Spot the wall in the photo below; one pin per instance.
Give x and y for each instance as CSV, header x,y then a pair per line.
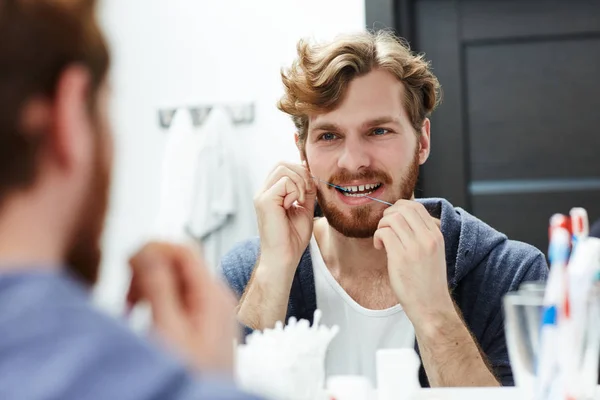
x,y
175,52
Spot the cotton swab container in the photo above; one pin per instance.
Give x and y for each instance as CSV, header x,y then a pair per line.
x,y
285,363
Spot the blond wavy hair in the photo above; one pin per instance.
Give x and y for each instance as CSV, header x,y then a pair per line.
x,y
317,79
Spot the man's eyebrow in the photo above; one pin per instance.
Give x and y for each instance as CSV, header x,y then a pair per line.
x,y
326,126
381,121
330,126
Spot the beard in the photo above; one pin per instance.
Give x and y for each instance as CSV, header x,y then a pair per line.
x,y
84,253
363,220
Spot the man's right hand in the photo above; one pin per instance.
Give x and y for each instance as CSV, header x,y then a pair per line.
x,y
285,210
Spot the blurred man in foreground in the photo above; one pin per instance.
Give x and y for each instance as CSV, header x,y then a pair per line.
x,y
55,158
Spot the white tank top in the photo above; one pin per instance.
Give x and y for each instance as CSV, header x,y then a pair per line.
x,y
362,331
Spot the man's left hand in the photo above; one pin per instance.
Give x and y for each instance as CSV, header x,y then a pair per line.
x,y
416,260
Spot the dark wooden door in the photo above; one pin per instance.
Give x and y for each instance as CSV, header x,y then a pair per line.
x,y
517,136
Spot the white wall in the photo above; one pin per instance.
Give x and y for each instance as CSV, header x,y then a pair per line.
x,y
171,52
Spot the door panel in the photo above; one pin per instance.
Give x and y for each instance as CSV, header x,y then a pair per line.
x,y
532,109
516,137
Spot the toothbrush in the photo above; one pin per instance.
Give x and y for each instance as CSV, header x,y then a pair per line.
x,y
346,190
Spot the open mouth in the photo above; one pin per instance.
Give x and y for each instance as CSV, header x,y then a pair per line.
x,y
359,190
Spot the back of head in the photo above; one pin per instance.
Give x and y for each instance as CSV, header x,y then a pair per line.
x,y
52,75
317,79
38,40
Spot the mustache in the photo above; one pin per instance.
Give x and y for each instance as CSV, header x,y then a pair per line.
x,y
344,176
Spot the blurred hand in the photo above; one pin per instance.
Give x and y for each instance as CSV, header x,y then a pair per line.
x,y
191,311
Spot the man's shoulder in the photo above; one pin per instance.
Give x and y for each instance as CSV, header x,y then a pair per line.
x,y
239,262
518,261
57,344
496,264
242,255
83,353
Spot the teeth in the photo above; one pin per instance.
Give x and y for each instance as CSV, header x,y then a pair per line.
x,y
361,188
356,194
372,186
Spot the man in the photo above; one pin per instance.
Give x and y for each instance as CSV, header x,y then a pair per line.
x,y
386,275
55,156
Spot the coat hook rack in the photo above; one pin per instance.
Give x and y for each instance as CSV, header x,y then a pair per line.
x,y
240,114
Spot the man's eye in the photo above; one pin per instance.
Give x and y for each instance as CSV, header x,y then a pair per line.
x,y
380,131
328,136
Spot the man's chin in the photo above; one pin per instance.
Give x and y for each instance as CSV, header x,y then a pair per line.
x,y
358,222
355,232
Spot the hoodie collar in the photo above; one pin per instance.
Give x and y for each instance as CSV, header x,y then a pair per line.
x,y
462,232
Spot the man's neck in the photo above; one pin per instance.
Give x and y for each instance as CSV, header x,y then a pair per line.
x,y
30,235
358,267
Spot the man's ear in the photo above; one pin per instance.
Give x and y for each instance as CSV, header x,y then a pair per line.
x,y
299,146
72,130
424,141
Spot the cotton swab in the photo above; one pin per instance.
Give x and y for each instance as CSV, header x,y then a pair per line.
x,y
358,194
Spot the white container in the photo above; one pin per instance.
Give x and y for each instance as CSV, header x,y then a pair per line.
x,y
397,374
349,387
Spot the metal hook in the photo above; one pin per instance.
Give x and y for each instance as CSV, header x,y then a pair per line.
x,y
241,114
199,114
165,117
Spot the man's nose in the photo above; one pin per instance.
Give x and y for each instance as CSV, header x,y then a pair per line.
x,y
354,155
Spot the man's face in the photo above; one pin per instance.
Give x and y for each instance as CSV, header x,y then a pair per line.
x,y
368,145
84,253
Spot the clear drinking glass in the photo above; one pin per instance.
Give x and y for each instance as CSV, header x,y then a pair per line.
x,y
522,319
523,311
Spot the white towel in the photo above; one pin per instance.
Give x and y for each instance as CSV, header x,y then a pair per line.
x,y
183,144
222,211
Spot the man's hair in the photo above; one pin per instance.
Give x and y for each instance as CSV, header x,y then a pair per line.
x,y
38,40
318,78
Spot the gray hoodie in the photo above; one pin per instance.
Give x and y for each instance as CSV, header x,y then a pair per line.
x,y
482,264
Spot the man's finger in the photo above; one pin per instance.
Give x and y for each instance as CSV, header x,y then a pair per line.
x,y
433,224
397,223
285,192
284,171
386,238
303,171
156,283
416,222
192,278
